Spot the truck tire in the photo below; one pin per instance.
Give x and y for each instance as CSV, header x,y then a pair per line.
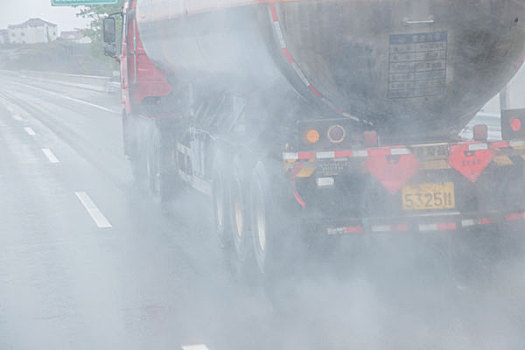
x,y
137,150
221,205
242,260
162,179
274,240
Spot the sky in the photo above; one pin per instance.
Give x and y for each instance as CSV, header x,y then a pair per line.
x,y
18,11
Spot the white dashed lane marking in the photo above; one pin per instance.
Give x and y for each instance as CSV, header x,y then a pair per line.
x,y
30,131
92,210
195,347
50,156
17,117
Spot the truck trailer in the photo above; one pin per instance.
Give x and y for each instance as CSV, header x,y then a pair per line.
x,y
308,119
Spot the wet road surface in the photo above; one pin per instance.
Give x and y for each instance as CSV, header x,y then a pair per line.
x,y
90,261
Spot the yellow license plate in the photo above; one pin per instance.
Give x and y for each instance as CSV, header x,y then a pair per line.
x,y
429,196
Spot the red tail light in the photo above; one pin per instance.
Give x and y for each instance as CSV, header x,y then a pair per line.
x,y
481,132
515,124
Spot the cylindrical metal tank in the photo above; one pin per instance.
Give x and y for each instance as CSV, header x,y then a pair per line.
x,y
405,66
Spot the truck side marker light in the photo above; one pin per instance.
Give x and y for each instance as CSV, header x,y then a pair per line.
x,y
515,124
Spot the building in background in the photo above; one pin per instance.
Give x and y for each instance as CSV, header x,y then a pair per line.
x,y
32,31
75,36
4,37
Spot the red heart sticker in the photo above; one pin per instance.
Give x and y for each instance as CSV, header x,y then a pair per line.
x,y
393,171
469,163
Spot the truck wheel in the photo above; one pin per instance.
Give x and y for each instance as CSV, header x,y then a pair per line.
x,y
241,241
138,163
162,179
271,232
221,208
259,219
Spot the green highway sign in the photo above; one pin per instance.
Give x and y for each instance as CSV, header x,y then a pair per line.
x,y
82,2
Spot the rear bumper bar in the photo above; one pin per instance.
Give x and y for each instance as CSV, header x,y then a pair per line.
x,y
416,223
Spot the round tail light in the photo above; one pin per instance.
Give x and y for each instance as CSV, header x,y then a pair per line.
x,y
336,134
312,136
515,124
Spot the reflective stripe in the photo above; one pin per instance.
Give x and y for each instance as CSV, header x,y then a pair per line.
x,y
306,155
382,228
477,146
325,155
279,34
282,42
300,74
437,227
290,156
514,217
343,154
515,144
427,227
468,223
399,151
363,153
446,226
344,230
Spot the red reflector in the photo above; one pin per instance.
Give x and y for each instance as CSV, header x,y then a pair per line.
x,y
354,229
306,155
449,226
515,124
487,221
481,132
514,217
402,227
370,138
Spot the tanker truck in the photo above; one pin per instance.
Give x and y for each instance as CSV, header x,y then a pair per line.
x,y
305,120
